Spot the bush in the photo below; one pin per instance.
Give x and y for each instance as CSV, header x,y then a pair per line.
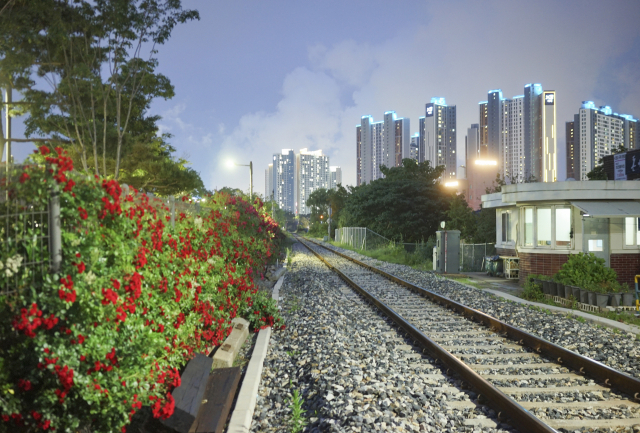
x,y
589,272
532,291
87,347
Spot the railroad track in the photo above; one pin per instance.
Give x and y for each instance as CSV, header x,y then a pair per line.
x,y
527,380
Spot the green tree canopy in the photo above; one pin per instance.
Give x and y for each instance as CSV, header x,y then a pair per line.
x,y
98,61
408,203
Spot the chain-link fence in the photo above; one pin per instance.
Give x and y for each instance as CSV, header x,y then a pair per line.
x,y
472,256
361,238
25,238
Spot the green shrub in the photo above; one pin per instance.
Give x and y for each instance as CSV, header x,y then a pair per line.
x,y
85,348
589,272
532,291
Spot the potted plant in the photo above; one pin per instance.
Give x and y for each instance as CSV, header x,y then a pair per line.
x,y
546,287
585,296
588,272
575,292
629,299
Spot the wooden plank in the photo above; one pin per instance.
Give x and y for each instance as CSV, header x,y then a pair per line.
x,y
188,396
218,397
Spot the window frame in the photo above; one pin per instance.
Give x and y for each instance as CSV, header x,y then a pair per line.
x,y
636,238
534,241
505,233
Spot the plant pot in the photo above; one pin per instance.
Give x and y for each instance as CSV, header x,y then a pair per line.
x,y
568,292
554,288
545,287
575,292
584,296
629,299
615,299
602,299
592,299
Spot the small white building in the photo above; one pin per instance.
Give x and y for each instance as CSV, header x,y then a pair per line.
x,y
542,223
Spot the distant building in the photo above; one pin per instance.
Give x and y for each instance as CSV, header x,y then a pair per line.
x,y
336,176
268,182
414,146
597,131
421,133
440,136
312,173
520,134
570,149
380,143
472,144
284,179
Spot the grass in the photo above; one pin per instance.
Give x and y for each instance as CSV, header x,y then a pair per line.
x,y
393,254
298,421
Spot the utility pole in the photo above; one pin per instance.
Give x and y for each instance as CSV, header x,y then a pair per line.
x,y
7,136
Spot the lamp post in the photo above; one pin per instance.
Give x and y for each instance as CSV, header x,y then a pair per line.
x,y
250,165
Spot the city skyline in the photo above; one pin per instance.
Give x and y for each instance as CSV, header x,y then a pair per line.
x,y
243,95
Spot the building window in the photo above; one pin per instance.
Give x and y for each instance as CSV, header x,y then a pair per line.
x,y
563,228
506,227
543,226
631,232
528,226
547,227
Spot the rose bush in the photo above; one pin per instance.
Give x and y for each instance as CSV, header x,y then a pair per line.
x,y
134,300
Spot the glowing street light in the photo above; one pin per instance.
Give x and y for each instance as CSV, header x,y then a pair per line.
x,y
231,163
451,184
486,162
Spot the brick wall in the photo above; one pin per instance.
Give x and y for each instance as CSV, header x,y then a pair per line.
x,y
541,264
627,266
505,252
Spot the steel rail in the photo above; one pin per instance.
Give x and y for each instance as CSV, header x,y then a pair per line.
x,y
518,416
587,366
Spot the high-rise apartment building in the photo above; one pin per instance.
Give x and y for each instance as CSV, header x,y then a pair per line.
x,y
540,135
268,182
520,134
484,128
336,176
381,143
284,179
472,144
571,148
312,173
513,134
421,133
597,132
414,146
440,136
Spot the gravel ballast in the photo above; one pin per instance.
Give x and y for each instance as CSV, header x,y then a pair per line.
x,y
356,372
616,349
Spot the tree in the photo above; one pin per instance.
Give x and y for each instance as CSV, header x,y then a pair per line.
x,y
408,203
496,185
598,172
91,55
461,217
486,226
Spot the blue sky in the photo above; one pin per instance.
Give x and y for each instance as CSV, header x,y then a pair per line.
x,y
254,77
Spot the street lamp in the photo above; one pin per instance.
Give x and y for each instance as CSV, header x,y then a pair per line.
x,y
250,165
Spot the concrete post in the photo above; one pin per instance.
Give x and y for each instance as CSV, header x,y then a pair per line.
x,y
55,232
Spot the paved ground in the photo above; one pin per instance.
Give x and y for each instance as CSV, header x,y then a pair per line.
x,y
496,283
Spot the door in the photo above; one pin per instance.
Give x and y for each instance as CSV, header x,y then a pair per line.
x,y
596,237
